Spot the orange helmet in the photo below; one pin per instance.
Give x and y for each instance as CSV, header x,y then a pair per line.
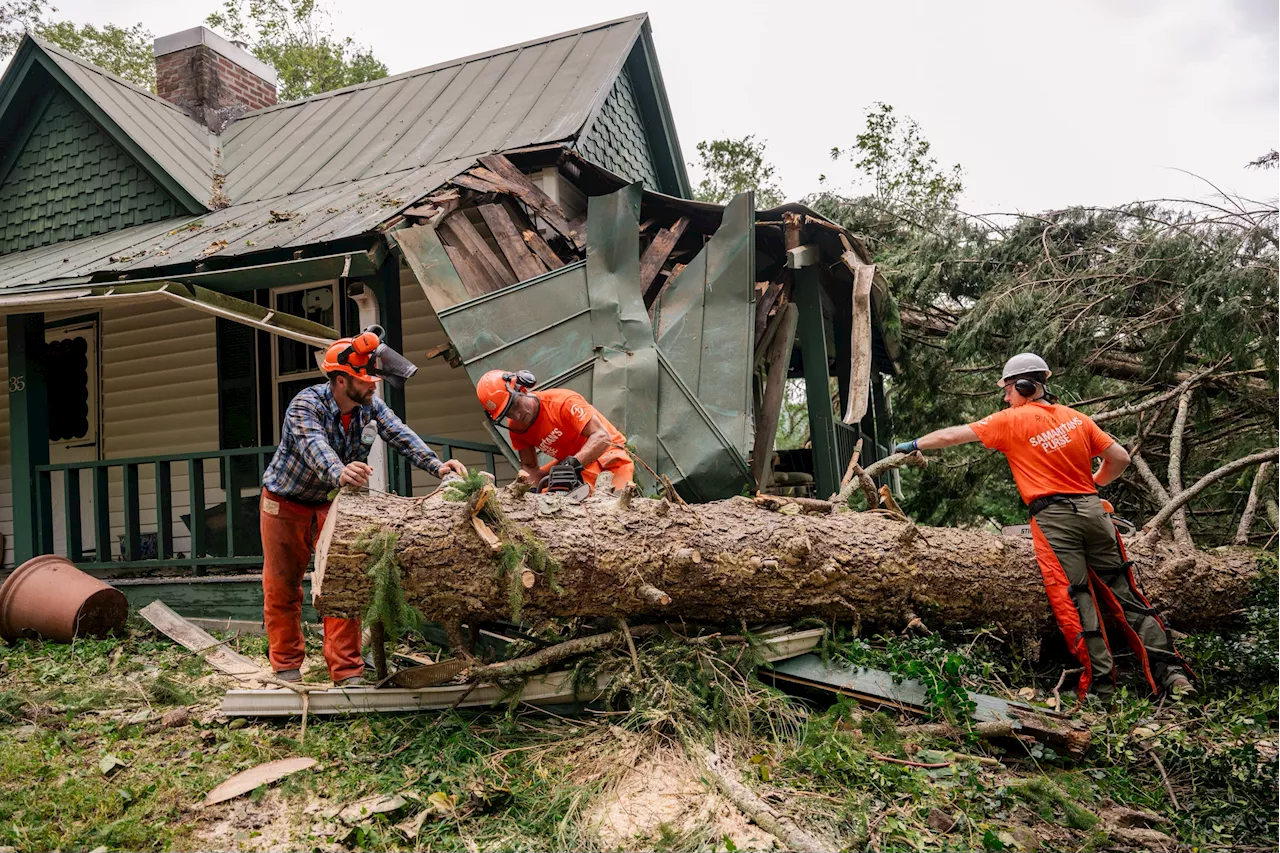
x,y
352,356
497,388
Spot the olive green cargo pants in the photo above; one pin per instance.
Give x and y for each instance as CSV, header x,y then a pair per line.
x,y
1072,536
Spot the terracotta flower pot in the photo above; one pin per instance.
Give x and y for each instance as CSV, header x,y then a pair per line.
x,y
49,596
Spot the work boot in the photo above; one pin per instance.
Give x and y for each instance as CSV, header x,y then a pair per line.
x,y
352,681
289,675
1180,687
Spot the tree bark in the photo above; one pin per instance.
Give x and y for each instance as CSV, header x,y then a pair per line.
x,y
725,561
1152,527
1181,532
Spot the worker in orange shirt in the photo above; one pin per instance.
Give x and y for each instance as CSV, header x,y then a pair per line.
x,y
559,423
1050,449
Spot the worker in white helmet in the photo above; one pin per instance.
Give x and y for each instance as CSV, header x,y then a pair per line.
x,y
1050,449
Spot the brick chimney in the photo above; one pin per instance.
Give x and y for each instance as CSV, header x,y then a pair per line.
x,y
210,78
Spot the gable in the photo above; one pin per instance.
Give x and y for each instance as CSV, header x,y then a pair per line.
x,y
618,140
70,180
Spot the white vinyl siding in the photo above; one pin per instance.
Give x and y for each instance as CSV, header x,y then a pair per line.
x,y
159,396
439,399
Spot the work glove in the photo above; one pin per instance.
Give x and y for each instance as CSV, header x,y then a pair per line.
x,y
907,446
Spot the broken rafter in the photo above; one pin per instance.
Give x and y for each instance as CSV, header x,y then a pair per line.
x,y
505,233
463,235
656,256
500,172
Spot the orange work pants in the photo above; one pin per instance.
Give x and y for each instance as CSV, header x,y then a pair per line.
x,y
289,531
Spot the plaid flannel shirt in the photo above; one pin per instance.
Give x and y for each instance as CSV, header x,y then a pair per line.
x,y
314,448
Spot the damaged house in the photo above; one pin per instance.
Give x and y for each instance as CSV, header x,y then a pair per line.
x,y
170,262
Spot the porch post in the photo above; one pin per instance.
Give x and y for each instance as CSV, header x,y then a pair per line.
x,y
28,427
813,351
386,287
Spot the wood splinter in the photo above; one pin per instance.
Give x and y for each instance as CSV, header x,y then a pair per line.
x,y
625,494
520,486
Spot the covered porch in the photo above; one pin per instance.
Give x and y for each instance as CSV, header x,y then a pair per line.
x,y
141,416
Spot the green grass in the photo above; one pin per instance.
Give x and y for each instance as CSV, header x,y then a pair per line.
x,y
523,780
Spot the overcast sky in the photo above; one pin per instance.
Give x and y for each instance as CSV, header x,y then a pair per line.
x,y
1044,105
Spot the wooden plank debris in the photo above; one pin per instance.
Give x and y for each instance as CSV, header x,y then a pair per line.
x,y
541,248
463,235
655,256
474,277
523,262
182,632
255,777
519,185
554,688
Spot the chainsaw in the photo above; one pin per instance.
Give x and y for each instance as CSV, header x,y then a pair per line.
x,y
565,478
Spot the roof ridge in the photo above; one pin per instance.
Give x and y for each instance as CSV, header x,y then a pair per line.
x,y
50,47
428,69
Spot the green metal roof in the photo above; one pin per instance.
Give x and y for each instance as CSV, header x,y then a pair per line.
x,y
537,92
337,165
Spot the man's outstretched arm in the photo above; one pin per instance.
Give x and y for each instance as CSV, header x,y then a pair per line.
x,y
947,437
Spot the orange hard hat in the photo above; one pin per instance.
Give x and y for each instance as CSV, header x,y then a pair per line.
x,y
353,356
497,388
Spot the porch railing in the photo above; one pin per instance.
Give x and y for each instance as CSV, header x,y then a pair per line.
x,y
105,498
223,534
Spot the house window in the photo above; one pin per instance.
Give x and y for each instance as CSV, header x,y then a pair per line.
x,y
294,363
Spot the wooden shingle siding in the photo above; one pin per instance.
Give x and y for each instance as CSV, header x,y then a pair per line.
x,y
618,140
72,181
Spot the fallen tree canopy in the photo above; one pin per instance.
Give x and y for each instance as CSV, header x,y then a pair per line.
x,y
615,555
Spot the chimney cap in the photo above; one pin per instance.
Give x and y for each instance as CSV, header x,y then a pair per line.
x,y
232,51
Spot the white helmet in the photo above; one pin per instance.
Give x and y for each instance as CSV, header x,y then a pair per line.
x,y
1024,362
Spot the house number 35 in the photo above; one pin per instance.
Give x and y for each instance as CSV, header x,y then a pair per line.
x,y
17,383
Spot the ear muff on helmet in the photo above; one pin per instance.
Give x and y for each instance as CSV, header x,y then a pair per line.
x,y
1025,387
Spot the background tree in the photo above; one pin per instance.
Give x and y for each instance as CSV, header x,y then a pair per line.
x,y
1160,319
731,166
124,51
296,38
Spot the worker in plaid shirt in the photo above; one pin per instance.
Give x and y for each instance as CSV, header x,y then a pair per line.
x,y
320,450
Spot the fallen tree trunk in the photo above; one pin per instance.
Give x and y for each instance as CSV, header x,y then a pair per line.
x,y
722,562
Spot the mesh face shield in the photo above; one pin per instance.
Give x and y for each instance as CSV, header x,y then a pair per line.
x,y
383,361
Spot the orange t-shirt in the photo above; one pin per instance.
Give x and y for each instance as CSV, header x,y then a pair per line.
x,y
1050,448
557,431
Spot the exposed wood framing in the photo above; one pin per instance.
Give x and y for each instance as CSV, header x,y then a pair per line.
x,y
656,255
523,261
462,234
503,174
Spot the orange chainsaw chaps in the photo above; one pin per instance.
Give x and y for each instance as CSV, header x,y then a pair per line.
x,y
1058,587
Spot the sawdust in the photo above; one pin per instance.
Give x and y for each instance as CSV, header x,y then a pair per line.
x,y
662,797
243,825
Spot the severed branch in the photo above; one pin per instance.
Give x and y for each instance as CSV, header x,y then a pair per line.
x,y
1152,527
551,654
1251,506
915,459
1181,533
760,812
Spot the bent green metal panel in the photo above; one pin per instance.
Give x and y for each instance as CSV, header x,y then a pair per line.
x,y
704,322
625,384
585,327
